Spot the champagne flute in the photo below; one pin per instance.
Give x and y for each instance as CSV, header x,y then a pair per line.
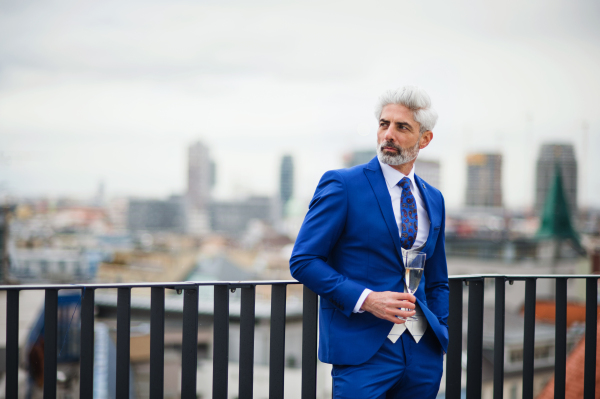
x,y
414,262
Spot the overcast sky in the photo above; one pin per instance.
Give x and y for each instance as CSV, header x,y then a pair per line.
x,y
117,90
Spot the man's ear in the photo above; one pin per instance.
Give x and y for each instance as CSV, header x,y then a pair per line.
x,y
425,139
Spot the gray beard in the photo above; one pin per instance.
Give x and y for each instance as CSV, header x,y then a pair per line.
x,y
403,156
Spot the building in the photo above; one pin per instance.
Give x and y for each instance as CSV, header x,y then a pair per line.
x,y
157,215
107,306
286,180
232,217
575,373
428,171
543,368
54,264
484,180
358,157
200,176
553,156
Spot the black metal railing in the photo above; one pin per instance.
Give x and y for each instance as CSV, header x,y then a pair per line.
x,y
277,336
475,334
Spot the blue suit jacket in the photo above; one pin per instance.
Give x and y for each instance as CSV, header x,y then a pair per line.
x,y
349,241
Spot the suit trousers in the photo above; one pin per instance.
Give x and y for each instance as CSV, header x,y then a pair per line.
x,y
402,370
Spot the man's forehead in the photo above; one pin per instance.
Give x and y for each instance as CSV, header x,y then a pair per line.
x,y
397,113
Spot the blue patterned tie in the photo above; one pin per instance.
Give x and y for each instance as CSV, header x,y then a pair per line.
x,y
409,218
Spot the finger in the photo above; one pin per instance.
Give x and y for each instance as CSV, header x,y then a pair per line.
x,y
405,313
400,312
402,296
408,297
400,304
394,319
407,304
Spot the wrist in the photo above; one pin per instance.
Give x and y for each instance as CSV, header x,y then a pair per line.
x,y
359,308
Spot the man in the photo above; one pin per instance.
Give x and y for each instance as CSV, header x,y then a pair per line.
x,y
349,251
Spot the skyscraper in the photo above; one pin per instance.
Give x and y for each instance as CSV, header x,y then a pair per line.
x,y
286,179
552,156
199,176
484,180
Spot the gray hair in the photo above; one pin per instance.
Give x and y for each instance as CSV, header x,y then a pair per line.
x,y
414,98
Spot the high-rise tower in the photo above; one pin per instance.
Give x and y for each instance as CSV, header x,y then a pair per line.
x,y
199,176
484,180
551,156
286,179
200,179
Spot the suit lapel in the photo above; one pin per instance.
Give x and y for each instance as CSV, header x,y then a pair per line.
x,y
377,182
425,196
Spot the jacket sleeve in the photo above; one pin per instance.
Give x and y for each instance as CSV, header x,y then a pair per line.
x,y
323,225
436,275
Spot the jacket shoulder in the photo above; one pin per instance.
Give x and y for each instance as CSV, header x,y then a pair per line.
x,y
346,173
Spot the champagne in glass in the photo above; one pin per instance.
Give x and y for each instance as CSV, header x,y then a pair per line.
x,y
413,278
414,262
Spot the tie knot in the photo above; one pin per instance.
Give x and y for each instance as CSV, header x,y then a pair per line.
x,y
405,183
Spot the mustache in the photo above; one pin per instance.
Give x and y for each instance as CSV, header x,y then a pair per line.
x,y
392,145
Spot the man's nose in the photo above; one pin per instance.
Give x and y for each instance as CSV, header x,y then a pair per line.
x,y
388,134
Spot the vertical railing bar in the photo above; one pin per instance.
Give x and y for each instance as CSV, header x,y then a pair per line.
x,y
560,349
221,342
157,342
591,320
529,337
499,321
123,342
50,342
12,344
454,355
247,319
189,344
475,339
86,364
277,349
309,344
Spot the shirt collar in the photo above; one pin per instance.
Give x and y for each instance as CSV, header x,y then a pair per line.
x,y
392,176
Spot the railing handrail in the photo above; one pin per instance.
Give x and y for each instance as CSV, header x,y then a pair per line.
x,y
244,283
175,285
517,277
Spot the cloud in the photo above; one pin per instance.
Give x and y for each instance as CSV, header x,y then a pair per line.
x,y
257,79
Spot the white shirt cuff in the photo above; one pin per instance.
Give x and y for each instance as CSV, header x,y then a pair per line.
x,y
360,301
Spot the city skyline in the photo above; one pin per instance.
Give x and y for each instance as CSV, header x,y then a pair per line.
x,y
108,94
422,167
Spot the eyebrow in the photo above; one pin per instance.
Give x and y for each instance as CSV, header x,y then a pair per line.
x,y
398,124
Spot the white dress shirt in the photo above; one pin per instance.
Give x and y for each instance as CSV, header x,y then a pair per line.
x,y
392,178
